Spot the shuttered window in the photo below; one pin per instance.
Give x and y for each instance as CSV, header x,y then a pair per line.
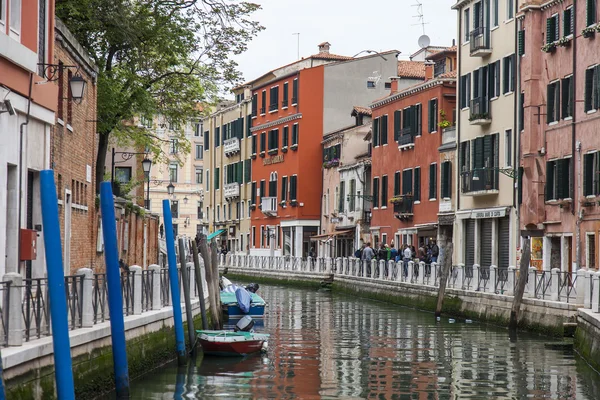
x,y
446,180
274,98
217,178
273,186
553,106
417,189
295,92
384,130
552,27
549,195
206,139
384,191
263,142
253,194
465,90
407,182
375,192
254,104
558,179
590,12
254,144
284,101
376,132
247,171
342,199
568,21
508,74
418,118
352,205
397,124
432,181
522,111
285,136
295,134
273,139
217,137
465,156
493,73
284,185
248,125
521,42
263,103
591,169
397,183
592,88
432,117
591,247
567,97
262,190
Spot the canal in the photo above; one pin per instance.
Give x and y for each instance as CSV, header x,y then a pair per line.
x,y
326,345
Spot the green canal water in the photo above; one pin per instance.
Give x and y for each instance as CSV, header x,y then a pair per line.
x,y
325,345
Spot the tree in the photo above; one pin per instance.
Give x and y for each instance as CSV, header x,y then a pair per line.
x,y
157,57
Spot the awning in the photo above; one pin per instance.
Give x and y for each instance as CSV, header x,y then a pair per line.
x,y
215,234
330,235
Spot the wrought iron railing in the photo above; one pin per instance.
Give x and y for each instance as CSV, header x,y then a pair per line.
x,y
147,289
100,298
480,39
74,292
165,288
4,307
479,179
128,291
35,308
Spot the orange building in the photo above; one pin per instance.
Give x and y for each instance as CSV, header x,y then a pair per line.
x,y
293,107
410,184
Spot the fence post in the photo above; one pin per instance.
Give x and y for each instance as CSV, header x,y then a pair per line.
x,y
137,289
580,287
411,266
86,297
510,280
458,279
380,268
493,276
15,315
476,276
554,284
596,293
391,264
587,295
421,272
531,282
155,271
373,267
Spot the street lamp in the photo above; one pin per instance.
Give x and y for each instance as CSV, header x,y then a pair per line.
x,y
185,200
77,86
51,72
126,156
146,165
170,189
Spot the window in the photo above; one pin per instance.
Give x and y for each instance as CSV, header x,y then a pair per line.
x,y
552,27
332,153
591,250
273,184
263,142
553,98
590,12
253,144
446,184
384,191
558,179
247,170
432,117
592,88
397,183
383,132
207,180
352,205
285,136
262,190
175,208
509,74
295,134
175,230
293,187
274,98
375,192
284,101
284,188
465,90
61,93
522,112
495,13
510,9
591,171
254,104
508,148
206,139
123,174
217,178
567,97
15,16
568,17
199,208
217,137
432,181
477,15
467,27
342,199
218,213
199,175
417,183
376,129
521,42
253,194
69,97
295,92
407,182
173,172
273,140
263,102
494,79
397,124
198,129
173,146
199,152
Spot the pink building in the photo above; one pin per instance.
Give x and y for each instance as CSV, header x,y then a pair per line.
x,y
559,124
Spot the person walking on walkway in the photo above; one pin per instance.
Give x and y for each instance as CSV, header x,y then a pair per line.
x,y
407,258
366,257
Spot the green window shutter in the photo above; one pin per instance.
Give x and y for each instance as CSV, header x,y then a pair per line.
x,y
206,139
262,191
375,132
247,170
556,27
432,181
263,142
417,187
397,126
284,188
285,134
567,22
240,172
549,180
566,88
588,174
217,137
478,156
419,117
384,130
521,42
397,183
248,125
520,186
342,195
591,12
429,115
253,144
384,191
217,176
253,194
375,192
562,180
589,89
550,104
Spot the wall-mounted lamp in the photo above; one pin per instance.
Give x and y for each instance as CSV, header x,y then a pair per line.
x,y
77,84
6,106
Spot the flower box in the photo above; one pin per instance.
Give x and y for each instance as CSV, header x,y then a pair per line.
x,y
294,147
284,149
549,47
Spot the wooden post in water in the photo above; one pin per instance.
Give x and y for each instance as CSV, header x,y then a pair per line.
x,y
199,284
446,251
214,263
205,252
185,279
523,274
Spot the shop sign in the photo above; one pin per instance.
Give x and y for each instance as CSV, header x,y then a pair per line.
x,y
445,206
273,160
335,220
488,214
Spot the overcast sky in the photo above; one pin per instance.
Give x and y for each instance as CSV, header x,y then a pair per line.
x,y
349,25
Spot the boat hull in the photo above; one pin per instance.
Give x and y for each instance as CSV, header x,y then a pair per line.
x,y
234,311
231,349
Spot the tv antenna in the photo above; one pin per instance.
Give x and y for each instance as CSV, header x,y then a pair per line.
x,y
420,15
298,45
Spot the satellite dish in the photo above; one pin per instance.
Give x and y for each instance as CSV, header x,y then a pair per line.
x,y
424,41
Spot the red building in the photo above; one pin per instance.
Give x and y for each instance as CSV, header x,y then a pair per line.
x,y
293,107
409,179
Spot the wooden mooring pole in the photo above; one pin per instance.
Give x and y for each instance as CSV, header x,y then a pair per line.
x,y
214,262
212,296
186,295
199,285
520,289
446,252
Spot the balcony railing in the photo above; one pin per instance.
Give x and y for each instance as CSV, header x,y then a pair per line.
x,y
232,190
269,205
284,103
449,135
439,68
262,110
479,180
231,146
480,41
403,206
480,111
273,107
294,100
406,138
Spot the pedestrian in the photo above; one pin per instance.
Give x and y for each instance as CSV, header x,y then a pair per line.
x,y
366,257
393,252
435,251
407,258
358,252
161,229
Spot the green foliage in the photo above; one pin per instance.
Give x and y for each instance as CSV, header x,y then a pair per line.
x,y
158,57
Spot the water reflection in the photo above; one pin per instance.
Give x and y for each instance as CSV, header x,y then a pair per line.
x,y
331,346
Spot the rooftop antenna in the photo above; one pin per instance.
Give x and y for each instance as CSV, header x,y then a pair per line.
x,y
420,15
298,45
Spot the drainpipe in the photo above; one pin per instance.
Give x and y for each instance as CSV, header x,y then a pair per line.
x,y
459,110
573,137
517,134
21,170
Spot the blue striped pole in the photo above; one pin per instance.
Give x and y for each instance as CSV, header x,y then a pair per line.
x,y
2,391
174,281
63,368
113,283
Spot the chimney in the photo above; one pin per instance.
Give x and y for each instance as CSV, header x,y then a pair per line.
x,y
324,47
394,85
429,70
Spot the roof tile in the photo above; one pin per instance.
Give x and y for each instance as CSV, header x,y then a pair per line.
x,y
411,69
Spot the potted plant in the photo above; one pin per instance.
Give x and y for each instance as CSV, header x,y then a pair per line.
x,y
475,117
444,123
549,47
293,203
565,41
397,200
284,149
589,31
262,154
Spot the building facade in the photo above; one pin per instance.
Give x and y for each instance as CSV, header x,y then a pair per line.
x,y
227,147
410,182
346,164
560,159
73,151
27,113
291,112
486,228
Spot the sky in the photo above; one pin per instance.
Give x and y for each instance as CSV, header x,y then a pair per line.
x,y
349,25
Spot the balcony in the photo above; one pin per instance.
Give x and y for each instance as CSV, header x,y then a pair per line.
x,y
232,190
294,100
480,42
479,182
406,139
273,107
480,111
262,111
231,146
403,207
284,103
269,206
449,135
